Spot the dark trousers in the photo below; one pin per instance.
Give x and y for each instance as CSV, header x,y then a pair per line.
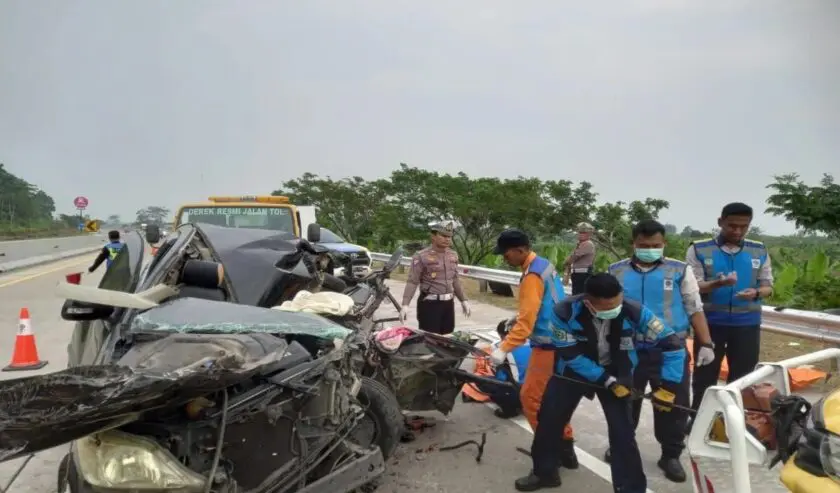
x,y
579,280
740,345
559,402
436,316
668,427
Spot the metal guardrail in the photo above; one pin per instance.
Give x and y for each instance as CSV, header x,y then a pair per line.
x,y
814,326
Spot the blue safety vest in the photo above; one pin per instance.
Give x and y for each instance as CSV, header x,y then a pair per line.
x,y
113,249
659,289
721,305
521,355
553,293
576,340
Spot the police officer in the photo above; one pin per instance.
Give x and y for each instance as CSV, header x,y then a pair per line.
x,y
540,287
735,275
578,265
435,271
669,289
109,252
595,335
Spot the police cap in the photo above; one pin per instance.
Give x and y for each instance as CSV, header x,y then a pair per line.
x,y
443,228
511,238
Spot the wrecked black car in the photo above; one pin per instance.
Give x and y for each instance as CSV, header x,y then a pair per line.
x,y
175,385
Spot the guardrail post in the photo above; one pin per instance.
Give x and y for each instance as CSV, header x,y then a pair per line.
x,y
401,269
482,286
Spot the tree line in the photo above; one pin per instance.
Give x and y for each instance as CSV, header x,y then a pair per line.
x,y
398,209
22,204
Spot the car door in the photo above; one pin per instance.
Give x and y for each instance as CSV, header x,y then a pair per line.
x,y
89,337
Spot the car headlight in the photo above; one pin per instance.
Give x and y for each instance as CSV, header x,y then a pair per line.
x,y
118,460
830,456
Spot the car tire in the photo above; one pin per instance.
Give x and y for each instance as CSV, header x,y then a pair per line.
x,y
384,413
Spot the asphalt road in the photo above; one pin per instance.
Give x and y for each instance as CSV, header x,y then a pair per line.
x,y
21,249
417,466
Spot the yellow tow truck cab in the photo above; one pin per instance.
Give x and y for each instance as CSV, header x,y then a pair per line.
x,y
260,212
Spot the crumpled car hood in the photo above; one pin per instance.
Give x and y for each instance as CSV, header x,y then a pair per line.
x,y
45,411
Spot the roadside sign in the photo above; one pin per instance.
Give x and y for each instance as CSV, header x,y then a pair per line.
x,y
92,226
80,202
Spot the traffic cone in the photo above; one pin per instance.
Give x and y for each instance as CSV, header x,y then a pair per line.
x,y
25,356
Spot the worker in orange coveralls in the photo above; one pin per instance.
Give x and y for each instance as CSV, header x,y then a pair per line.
x,y
540,287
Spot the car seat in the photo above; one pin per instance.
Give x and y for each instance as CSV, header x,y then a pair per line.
x,y
202,279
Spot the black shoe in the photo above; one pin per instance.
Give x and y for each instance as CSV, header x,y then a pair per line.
x,y
607,456
672,468
533,482
568,457
500,413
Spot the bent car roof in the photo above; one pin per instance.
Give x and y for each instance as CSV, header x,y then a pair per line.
x,y
249,257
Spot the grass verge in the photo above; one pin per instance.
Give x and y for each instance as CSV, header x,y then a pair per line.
x,y
774,347
35,234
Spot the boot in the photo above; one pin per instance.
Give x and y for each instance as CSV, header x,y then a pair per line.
x,y
532,482
672,468
607,456
500,413
568,457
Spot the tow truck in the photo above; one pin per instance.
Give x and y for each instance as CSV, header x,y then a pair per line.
x,y
249,211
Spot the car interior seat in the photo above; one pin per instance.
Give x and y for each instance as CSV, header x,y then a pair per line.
x,y
202,279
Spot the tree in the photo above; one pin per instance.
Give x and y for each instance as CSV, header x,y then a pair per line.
x,y
689,232
349,206
613,223
670,229
23,205
113,220
812,208
152,215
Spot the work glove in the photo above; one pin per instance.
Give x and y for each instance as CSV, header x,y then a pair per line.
x,y
404,313
498,356
705,355
465,306
663,400
619,390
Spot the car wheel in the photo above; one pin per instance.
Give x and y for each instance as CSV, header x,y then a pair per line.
x,y
383,421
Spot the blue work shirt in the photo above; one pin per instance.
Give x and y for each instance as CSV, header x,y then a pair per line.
x,y
577,341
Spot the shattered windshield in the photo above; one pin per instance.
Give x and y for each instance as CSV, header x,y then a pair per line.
x,y
194,315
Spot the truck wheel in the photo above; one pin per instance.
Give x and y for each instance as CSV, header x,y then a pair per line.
x,y
383,422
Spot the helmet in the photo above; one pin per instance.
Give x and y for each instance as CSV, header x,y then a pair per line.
x,y
585,228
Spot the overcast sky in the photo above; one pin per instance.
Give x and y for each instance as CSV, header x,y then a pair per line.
x,y
137,103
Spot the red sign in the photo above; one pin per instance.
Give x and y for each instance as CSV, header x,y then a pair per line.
x,y
80,202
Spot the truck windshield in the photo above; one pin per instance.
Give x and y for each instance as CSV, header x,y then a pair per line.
x,y
275,218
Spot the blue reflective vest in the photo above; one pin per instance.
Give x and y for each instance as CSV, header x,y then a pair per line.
x,y
721,305
553,293
520,356
113,249
659,289
576,340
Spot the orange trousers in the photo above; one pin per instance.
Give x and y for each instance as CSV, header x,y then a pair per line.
x,y
540,370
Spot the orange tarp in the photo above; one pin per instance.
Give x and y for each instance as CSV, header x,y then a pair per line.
x,y
484,369
800,378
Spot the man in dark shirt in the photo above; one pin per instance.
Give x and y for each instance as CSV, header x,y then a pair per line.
x,y
109,252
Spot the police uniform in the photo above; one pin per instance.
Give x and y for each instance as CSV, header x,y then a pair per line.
x,y
599,353
670,290
435,273
579,264
734,323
